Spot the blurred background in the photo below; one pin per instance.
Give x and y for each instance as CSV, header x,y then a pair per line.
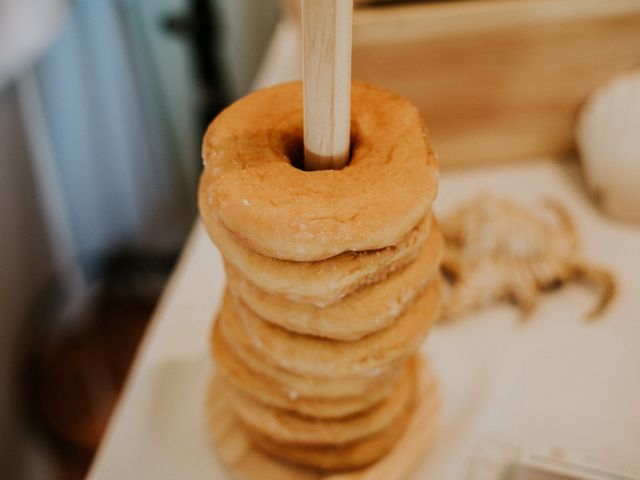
x,y
103,104
102,109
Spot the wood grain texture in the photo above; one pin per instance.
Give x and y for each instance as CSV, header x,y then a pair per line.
x,y
326,44
246,462
497,80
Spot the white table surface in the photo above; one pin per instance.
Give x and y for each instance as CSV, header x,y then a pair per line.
x,y
553,380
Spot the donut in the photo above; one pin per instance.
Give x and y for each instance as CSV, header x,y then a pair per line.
x,y
346,457
343,457
361,313
251,184
268,391
288,427
331,359
293,384
321,283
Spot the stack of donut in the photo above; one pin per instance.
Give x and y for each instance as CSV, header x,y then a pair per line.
x,y
333,275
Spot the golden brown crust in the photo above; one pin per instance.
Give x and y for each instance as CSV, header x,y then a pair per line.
x,y
295,385
321,283
326,358
271,392
230,435
320,382
283,212
288,427
350,456
363,312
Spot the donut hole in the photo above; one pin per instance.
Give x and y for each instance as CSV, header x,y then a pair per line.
x,y
294,151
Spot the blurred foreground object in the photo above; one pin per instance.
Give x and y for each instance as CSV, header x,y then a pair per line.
x,y
498,250
496,80
608,137
27,28
78,353
500,461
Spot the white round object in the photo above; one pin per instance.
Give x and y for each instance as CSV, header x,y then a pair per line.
x,y
608,138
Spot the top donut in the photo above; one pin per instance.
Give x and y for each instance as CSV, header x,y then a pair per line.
x,y
251,182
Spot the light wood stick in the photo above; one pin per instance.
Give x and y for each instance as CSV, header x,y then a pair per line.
x,y
326,39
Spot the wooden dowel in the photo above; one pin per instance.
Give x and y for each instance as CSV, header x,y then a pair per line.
x,y
326,41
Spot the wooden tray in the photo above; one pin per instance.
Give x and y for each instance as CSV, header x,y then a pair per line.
x,y
246,462
496,79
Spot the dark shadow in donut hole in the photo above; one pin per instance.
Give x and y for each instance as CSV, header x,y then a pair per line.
x,y
294,151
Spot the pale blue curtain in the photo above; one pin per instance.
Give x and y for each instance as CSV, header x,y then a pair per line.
x,y
120,106
120,169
